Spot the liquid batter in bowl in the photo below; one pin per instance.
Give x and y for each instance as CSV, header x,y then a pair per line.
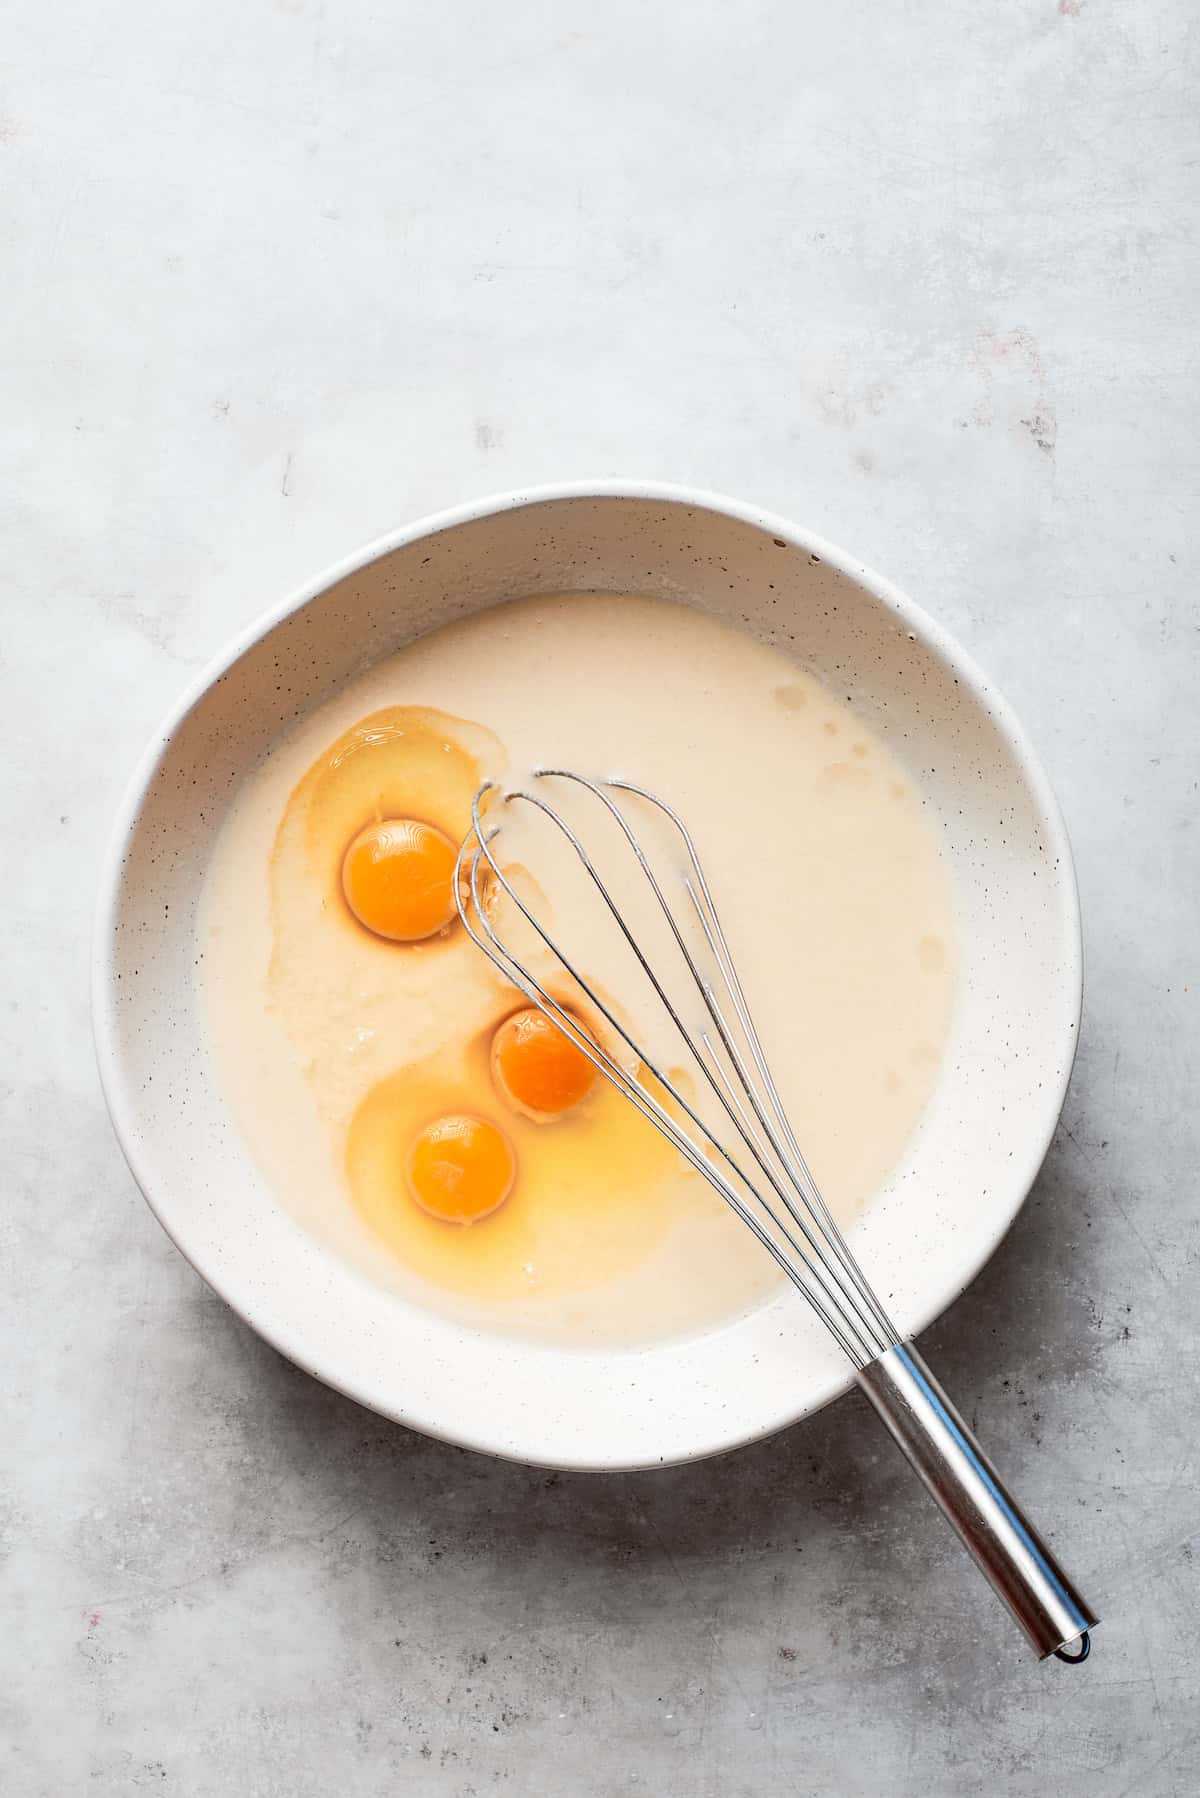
x,y
337,1046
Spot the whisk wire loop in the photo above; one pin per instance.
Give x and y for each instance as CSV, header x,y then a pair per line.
x,y
802,1236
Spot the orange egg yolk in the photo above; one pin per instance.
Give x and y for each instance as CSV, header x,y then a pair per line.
x,y
537,1068
461,1169
398,879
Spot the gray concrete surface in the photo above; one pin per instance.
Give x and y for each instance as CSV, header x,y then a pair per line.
x,y
280,276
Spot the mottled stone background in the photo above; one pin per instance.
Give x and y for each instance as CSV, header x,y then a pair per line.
x,y
280,276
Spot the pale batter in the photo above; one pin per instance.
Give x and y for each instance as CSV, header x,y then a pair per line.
x,y
832,892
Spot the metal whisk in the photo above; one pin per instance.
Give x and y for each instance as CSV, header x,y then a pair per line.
x,y
750,1156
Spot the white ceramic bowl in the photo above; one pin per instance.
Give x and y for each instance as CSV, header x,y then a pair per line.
x,y
921,1240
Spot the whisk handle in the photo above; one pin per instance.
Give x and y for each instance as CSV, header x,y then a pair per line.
x,y
958,1475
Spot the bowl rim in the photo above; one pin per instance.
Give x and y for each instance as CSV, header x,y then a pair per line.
x,y
118,1091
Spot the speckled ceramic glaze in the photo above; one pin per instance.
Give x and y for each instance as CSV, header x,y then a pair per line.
x,y
982,1141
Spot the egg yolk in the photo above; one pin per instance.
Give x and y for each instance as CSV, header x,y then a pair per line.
x,y
398,879
537,1068
461,1169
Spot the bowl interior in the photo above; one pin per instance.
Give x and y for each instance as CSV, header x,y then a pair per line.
x,y
920,1240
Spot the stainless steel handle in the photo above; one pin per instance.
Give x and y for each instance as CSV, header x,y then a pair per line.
x,y
956,1472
